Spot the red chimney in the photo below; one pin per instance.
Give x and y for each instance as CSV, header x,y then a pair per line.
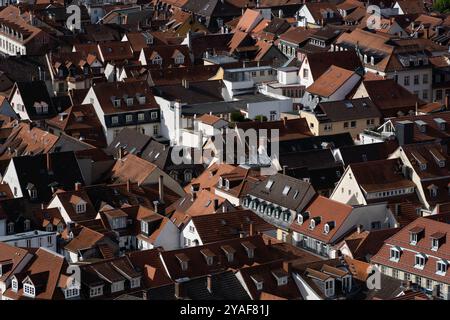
x,y
250,229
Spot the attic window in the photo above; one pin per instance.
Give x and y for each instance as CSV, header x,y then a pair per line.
x,y
419,261
441,267
157,60
286,190
116,103
269,184
129,101
29,289
81,207
258,282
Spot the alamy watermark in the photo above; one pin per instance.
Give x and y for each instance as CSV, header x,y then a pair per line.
x,y
373,281
73,22
374,20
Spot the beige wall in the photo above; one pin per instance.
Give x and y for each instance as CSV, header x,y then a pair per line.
x,y
318,129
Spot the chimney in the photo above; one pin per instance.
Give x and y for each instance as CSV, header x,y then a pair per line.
x,y
224,208
287,266
284,121
120,153
209,283
284,169
216,204
128,185
359,229
144,295
250,229
49,163
77,186
404,130
179,290
161,189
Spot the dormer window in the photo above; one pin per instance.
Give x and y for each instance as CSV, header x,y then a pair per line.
x,y
395,254
437,239
419,261
183,259
286,190
15,284
157,60
11,227
29,289
312,224
209,256
81,207
130,101
269,184
415,234
301,217
116,103
258,280
329,288
141,99
26,225
229,252
441,267
179,59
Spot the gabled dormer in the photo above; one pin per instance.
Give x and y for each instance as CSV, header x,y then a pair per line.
x,y
281,277
415,235
80,206
328,227
302,217
32,191
437,239
29,289
5,266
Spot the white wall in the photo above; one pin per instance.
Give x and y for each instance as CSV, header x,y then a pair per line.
x,y
265,107
186,233
12,179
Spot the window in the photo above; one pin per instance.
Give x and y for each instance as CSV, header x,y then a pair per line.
x,y
157,60
141,117
96,291
370,122
406,81
328,127
273,115
286,190
179,59
413,238
27,225
155,130
425,94
49,241
129,118
419,262
144,227
191,229
395,254
28,289
117,286
115,120
395,273
70,293
425,79
14,285
28,243
346,124
329,288
434,244
134,283
441,268
438,95
353,124
305,73
154,115
416,79
81,208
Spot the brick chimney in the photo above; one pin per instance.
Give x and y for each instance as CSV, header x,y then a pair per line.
x,y
161,189
77,186
250,229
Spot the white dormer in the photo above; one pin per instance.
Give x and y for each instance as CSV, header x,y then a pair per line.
x,y
312,224
29,289
157,60
441,267
80,207
14,284
395,254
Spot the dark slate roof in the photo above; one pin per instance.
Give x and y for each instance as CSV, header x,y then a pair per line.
x,y
367,152
347,110
314,143
197,92
64,173
209,8
129,140
35,91
274,194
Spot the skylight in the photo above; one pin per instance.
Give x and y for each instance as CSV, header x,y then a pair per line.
x,y
286,190
269,184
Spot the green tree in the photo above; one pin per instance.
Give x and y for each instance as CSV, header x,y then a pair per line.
x,y
442,6
236,116
260,117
